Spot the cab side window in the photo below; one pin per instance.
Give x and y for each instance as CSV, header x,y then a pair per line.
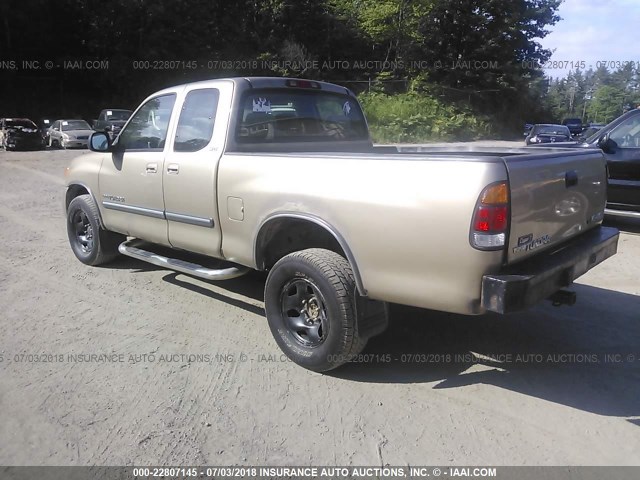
x,y
147,129
197,118
627,134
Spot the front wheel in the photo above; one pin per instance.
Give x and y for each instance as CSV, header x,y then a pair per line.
x,y
310,306
91,244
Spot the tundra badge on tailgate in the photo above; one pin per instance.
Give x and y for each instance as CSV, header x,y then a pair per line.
x,y
527,243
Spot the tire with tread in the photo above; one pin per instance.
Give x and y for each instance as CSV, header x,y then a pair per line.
x,y
331,278
103,243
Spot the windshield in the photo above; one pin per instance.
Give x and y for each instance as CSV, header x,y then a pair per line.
x,y
75,125
590,131
553,130
20,124
118,114
593,137
273,116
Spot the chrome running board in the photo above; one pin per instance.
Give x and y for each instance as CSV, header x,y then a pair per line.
x,y
621,213
129,249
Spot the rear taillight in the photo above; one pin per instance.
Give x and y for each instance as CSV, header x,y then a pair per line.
x,y
491,218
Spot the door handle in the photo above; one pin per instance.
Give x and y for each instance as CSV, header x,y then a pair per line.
x,y
173,168
152,167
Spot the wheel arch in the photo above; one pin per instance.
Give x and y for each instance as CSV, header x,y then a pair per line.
x,y
284,233
75,190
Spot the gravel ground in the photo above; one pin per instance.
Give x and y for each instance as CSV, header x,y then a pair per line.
x,y
186,372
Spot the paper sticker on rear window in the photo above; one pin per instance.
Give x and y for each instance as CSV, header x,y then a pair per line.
x,y
65,123
261,105
109,113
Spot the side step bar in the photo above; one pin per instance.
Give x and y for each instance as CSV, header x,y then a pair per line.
x,y
129,249
621,213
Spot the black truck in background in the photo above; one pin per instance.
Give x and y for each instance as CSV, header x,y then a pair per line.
x,y
620,143
111,121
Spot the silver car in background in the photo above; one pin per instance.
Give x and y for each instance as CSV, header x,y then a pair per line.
x,y
69,134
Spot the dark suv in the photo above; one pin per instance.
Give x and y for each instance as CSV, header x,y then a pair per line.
x,y
574,125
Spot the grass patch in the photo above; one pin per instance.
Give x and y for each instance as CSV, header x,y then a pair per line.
x,y
418,118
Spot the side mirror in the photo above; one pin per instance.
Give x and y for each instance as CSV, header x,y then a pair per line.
x,y
607,145
99,142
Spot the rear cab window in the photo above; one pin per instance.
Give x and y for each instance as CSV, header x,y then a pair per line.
x,y
273,116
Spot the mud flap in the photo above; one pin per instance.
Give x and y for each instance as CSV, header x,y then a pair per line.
x,y
372,316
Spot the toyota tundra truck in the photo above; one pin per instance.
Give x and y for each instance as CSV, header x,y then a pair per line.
x,y
280,175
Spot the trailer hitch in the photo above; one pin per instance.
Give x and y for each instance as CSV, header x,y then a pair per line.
x,y
563,297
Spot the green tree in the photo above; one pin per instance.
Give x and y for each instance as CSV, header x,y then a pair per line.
x,y
390,26
607,103
501,32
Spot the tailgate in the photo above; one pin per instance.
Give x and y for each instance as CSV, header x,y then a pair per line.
x,y
555,196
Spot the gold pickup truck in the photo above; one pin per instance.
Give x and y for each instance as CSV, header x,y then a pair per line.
x,y
281,175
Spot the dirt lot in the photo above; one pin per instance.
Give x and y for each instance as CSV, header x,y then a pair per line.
x,y
194,376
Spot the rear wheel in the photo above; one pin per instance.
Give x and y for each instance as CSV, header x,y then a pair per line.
x,y
91,244
310,305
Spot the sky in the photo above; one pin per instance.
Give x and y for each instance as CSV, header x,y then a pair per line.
x,y
594,31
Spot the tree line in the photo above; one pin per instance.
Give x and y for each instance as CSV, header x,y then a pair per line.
x,y
595,96
475,61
